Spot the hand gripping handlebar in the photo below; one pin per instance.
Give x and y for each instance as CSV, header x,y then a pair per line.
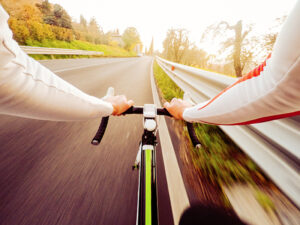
x,y
139,110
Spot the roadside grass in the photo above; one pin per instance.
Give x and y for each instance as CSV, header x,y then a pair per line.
x,y
168,88
264,200
219,160
109,51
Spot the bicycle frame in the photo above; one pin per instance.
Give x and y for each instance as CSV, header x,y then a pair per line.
x,y
147,212
147,209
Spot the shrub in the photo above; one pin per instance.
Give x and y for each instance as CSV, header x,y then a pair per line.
x,y
20,31
36,30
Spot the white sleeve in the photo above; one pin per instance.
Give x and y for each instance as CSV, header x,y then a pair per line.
x,y
271,91
28,89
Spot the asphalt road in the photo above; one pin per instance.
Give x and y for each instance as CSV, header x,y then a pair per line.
x,y
51,174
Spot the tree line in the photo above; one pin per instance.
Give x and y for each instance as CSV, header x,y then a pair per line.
x,y
41,20
238,51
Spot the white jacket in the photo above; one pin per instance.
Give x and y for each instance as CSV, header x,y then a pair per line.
x,y
30,90
271,91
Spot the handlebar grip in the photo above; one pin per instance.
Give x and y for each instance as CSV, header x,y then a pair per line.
x,y
134,110
99,135
193,136
163,112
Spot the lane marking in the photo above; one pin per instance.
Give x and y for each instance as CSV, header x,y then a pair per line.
x,y
177,192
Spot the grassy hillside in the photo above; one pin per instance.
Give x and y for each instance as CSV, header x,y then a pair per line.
x,y
41,23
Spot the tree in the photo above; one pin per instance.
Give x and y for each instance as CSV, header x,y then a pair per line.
x,y
269,39
195,57
62,17
45,7
46,10
239,54
151,49
83,21
29,12
95,31
130,38
176,44
57,17
94,27
20,30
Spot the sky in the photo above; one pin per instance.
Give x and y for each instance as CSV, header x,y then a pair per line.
x,y
153,18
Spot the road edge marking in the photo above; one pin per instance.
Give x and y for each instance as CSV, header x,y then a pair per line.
x,y
177,192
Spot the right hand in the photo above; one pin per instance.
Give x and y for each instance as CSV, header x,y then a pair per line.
x,y
119,103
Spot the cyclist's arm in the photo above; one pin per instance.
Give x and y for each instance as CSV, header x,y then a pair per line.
x,y
30,90
271,91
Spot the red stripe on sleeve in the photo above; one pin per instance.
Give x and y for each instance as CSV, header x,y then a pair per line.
x,y
260,120
254,73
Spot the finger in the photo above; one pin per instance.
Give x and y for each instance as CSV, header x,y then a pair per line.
x,y
167,105
130,103
173,100
110,92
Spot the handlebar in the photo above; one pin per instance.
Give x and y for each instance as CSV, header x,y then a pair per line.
x,y
139,110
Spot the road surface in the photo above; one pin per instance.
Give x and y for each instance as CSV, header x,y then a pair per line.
x,y
51,174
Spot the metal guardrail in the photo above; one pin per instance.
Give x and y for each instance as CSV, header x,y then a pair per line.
x,y
274,146
57,51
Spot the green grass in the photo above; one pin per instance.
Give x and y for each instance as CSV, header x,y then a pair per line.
x,y
220,160
168,88
109,51
265,201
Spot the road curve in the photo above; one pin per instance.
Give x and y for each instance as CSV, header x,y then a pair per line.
x,y
49,172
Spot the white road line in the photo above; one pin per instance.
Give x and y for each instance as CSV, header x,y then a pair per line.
x,y
178,195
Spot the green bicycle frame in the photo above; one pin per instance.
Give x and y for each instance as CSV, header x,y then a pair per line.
x,y
147,209
147,206
148,186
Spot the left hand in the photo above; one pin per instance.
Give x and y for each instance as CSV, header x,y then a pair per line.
x,y
176,107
